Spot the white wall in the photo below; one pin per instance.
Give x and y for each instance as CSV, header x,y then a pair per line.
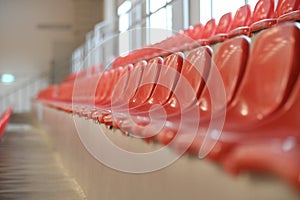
x,y
26,50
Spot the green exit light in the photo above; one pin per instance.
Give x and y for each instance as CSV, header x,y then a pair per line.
x,y
7,78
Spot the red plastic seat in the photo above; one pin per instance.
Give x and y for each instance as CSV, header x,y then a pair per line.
x,y
48,94
65,91
224,24
292,16
290,11
272,70
191,37
85,79
286,6
161,93
143,90
85,86
274,145
162,90
4,119
162,48
286,10
241,22
133,83
195,32
102,86
127,87
147,84
264,9
132,57
242,17
90,70
266,104
262,15
86,93
274,156
209,30
181,41
84,89
270,108
110,84
195,70
194,74
92,90
230,60
71,77
223,27
103,105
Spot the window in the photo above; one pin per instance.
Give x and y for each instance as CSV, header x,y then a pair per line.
x,y
205,10
154,15
159,20
124,17
160,17
124,23
252,3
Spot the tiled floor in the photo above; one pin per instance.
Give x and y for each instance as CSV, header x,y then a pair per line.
x,y
29,168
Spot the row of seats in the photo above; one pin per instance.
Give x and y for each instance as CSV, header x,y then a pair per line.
x,y
235,103
244,22
4,119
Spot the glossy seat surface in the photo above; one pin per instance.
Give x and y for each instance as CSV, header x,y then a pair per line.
x,y
224,24
166,81
148,82
222,29
209,31
196,31
264,9
286,6
241,21
269,77
242,17
230,60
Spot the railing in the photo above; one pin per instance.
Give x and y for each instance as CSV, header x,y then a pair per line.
x,y
21,96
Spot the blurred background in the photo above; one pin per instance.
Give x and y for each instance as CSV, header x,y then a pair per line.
x,y
42,41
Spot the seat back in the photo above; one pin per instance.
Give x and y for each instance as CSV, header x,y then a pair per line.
x,y
65,91
4,119
115,77
286,6
120,85
272,70
230,60
195,71
84,89
148,82
224,24
101,87
167,79
209,29
242,17
196,31
128,87
49,93
264,9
